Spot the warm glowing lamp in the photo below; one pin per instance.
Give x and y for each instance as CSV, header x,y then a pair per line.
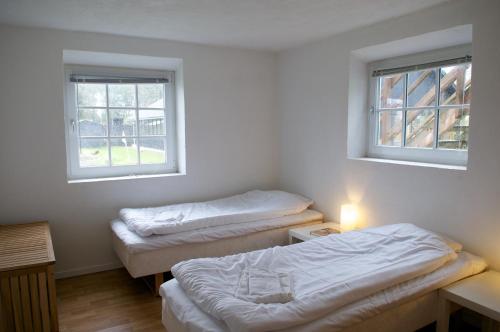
x,y
348,217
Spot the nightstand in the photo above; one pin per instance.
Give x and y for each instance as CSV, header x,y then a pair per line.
x,y
480,293
300,234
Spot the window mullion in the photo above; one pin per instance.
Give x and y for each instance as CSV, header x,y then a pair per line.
x,y
376,115
437,111
75,133
436,127
167,124
138,142
109,127
405,106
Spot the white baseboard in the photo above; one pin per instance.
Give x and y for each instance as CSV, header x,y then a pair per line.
x,y
87,270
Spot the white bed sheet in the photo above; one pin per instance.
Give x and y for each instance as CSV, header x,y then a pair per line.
x,y
195,320
136,244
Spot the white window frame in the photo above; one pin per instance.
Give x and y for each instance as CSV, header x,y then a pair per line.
x,y
413,154
75,172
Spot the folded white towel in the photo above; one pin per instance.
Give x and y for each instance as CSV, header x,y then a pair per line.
x,y
262,286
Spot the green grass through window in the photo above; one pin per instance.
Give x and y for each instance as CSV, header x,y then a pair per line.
x,y
120,155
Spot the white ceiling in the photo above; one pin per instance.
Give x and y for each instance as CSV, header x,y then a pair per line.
x,y
259,24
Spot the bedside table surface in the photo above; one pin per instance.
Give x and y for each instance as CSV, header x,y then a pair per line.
x,y
480,293
304,233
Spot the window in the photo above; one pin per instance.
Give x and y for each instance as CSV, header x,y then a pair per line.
x,y
119,122
422,112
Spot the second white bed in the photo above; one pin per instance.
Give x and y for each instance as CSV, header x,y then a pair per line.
x,y
155,254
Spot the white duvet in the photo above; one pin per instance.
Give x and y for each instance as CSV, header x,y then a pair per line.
x,y
194,320
250,206
328,273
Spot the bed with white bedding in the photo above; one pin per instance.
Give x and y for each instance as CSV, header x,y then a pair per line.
x,y
377,279
158,253
151,240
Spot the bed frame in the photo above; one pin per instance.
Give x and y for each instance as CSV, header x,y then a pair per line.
x,y
407,317
156,262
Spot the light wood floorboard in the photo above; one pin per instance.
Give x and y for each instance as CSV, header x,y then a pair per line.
x,y
108,301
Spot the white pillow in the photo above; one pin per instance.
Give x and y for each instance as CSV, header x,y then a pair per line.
x,y
451,243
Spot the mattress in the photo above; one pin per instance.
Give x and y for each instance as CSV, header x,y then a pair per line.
x,y
194,319
137,244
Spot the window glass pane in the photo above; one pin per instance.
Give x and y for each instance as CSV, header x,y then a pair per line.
x,y
123,151
123,122
153,151
92,122
94,152
151,122
420,128
121,95
390,124
151,95
92,95
452,85
468,85
392,91
454,129
422,88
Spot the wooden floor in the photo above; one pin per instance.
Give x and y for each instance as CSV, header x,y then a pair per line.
x,y
113,301
107,301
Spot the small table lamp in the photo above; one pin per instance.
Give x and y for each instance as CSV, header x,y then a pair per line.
x,y
348,217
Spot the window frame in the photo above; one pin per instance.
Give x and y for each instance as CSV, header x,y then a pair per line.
x,y
74,171
406,153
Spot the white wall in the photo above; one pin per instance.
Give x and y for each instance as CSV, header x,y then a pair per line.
x,y
313,83
236,140
230,137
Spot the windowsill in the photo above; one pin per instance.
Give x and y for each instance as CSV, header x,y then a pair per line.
x,y
412,163
127,177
